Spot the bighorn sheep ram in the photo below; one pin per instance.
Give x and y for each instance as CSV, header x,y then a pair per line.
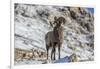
x,y
54,38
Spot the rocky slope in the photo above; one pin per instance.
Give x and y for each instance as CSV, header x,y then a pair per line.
x,y
32,23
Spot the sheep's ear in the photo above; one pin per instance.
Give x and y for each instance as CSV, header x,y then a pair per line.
x,y
55,20
51,24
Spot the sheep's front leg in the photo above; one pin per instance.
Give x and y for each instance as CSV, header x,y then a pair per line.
x,y
54,47
54,53
59,50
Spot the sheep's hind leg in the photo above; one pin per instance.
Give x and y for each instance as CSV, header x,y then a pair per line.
x,y
52,52
47,47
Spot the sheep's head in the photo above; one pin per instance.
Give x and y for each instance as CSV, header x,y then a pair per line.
x,y
61,20
54,20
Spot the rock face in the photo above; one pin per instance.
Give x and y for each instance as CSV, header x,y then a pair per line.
x,y
21,54
32,22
